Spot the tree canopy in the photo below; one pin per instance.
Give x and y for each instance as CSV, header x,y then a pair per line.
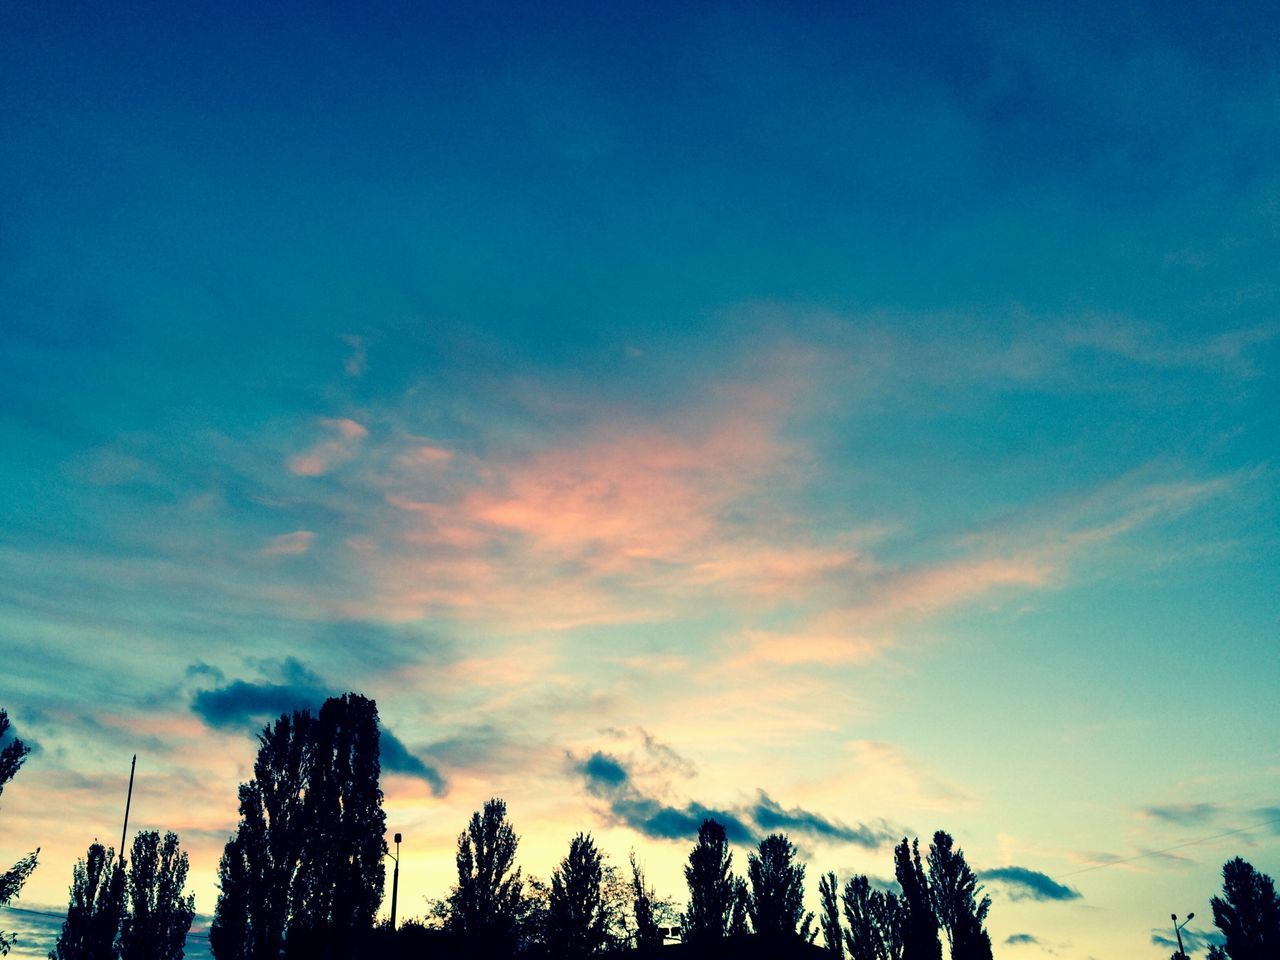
x,y
12,755
711,887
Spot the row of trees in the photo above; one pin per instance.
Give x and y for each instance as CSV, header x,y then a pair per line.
x,y
136,911
303,877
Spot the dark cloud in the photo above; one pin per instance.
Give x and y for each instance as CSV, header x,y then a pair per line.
x,y
244,703
1019,939
1193,941
1024,884
396,758
600,768
1184,814
609,778
770,815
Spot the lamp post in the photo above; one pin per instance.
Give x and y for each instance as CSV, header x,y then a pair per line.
x,y
395,883
1177,928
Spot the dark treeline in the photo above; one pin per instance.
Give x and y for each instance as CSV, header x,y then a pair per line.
x,y
302,877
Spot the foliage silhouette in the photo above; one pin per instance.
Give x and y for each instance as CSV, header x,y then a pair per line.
x,y
487,904
11,758
777,888
158,915
711,886
95,908
1247,913
829,896
339,883
873,921
954,892
302,876
740,913
919,925
579,917
647,935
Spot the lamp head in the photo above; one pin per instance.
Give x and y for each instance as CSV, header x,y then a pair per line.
x,y
397,838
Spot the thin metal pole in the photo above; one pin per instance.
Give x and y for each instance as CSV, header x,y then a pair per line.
x,y
127,803
395,885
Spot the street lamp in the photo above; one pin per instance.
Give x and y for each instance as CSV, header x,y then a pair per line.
x,y
395,882
1177,927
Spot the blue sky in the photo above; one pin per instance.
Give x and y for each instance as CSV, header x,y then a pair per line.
x,y
855,413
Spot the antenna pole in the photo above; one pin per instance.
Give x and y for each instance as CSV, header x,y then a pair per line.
x,y
127,803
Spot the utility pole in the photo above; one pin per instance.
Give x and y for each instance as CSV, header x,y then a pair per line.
x,y
127,803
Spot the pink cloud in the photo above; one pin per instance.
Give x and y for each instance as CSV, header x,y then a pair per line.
x,y
325,455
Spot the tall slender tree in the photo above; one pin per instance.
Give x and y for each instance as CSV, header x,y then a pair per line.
x,y
829,896
12,755
919,925
1247,913
485,907
95,908
339,883
302,877
954,892
777,888
158,916
648,937
711,889
579,917
260,862
740,912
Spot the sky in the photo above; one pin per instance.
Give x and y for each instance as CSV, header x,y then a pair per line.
x,y
835,418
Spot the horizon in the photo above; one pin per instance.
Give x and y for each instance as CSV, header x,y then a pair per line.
x,y
847,422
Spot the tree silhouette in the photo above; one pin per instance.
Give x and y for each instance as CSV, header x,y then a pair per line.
x,y
873,921
919,925
642,899
338,887
711,887
159,916
954,891
832,935
12,756
259,864
740,912
1247,913
94,910
578,918
486,905
777,888
302,876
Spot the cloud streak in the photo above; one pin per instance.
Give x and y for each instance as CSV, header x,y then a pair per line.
x,y
1022,883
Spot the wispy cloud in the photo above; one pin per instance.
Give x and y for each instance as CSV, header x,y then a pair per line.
x,y
1022,883
1183,814
345,437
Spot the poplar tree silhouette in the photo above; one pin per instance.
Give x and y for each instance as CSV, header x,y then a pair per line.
x,y
642,899
259,864
1247,913
12,756
740,912
94,911
777,888
302,876
486,906
873,921
158,917
954,892
919,925
711,885
339,883
578,917
832,935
